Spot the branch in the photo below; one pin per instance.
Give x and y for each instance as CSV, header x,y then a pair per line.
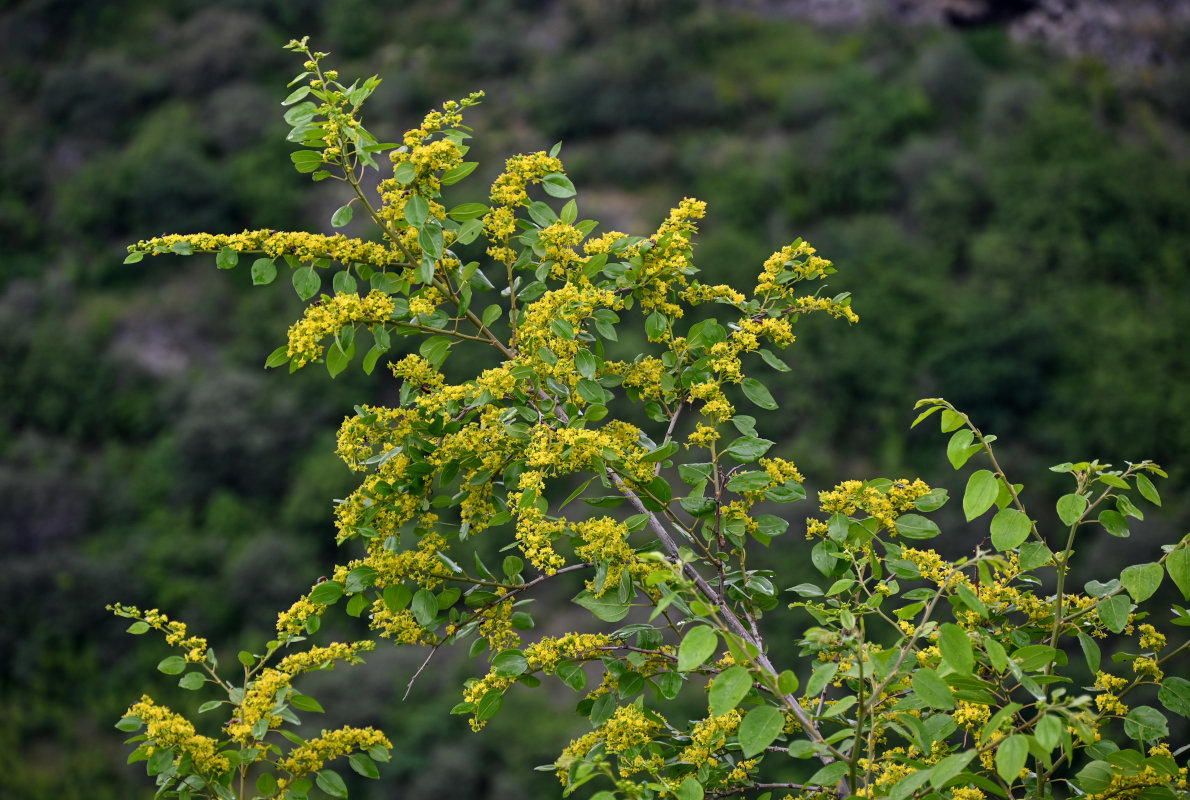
x,y
513,592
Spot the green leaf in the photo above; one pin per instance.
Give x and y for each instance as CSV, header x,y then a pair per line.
x,y
1114,612
1142,580
1114,523
932,689
192,681
326,593
404,173
172,665
466,211
336,359
296,95
697,646
277,357
1174,694
363,765
1010,528
1096,777
1034,555
959,448
787,682
605,608
133,258
1146,724
264,271
759,728
417,210
769,358
749,481
956,650
585,364
950,421
756,391
1090,652
820,677
557,185
425,607
728,689
510,663
359,579
138,627
342,216
210,705
227,258
304,702
1071,507
1049,730
456,174
949,768
306,160
332,783
1011,756
980,495
747,449
129,724
1147,490
829,775
491,314
915,526
344,283
689,789
1177,564
266,784
306,282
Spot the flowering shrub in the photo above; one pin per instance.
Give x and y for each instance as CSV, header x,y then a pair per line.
x,y
921,676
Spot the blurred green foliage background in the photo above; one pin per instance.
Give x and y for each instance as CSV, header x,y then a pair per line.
x,y
1015,227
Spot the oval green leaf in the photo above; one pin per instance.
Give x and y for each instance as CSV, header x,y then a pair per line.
x,y
728,689
759,728
697,646
980,494
1010,528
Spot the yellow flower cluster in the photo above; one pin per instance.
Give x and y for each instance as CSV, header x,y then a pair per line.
x,y
799,259
475,689
884,505
572,303
666,259
497,627
328,318
708,737
292,621
324,657
698,292
419,564
971,715
1150,638
258,703
519,172
546,654
558,241
1148,667
311,756
535,532
429,157
306,247
359,440
400,626
605,540
166,730
175,632
628,728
